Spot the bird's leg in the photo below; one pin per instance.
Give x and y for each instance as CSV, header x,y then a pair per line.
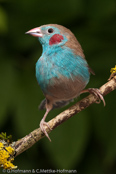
x,y
96,92
43,123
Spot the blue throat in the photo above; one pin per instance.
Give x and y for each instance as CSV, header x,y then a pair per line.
x,y
59,61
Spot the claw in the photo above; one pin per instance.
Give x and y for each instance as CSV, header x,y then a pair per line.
x,y
42,124
96,92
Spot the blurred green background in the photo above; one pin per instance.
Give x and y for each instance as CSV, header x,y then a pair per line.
x,y
86,142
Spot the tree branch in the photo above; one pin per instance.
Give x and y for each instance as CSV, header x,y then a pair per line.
x,y
30,139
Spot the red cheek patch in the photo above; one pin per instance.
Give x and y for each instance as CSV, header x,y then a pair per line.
x,y
55,39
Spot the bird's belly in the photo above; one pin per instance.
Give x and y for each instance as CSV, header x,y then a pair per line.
x,y
60,79
65,89
58,86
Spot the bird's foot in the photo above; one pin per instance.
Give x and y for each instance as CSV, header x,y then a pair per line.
x,y
42,126
97,93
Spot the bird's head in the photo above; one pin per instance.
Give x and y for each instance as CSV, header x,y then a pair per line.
x,y
51,34
54,35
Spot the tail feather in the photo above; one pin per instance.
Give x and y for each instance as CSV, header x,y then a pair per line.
x,y
42,105
58,104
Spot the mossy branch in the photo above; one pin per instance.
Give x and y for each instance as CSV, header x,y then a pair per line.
x,y
29,140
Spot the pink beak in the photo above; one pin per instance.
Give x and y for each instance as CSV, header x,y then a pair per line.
x,y
36,32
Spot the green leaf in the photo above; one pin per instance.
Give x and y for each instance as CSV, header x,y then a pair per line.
x,y
3,21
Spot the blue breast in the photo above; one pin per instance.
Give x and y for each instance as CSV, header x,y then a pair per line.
x,y
60,62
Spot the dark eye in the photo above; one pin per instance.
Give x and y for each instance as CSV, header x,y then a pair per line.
x,y
50,30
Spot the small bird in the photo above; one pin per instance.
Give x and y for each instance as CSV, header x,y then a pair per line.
x,y
62,70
